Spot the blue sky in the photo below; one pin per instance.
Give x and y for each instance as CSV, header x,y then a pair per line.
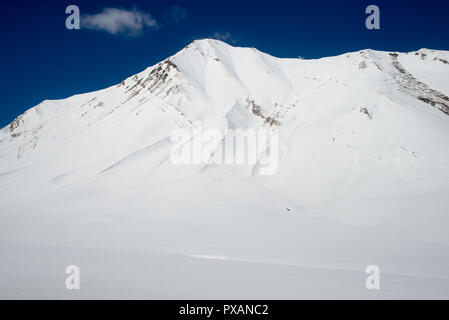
x,y
41,59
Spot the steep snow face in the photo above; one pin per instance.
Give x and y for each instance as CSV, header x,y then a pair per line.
x,y
363,176
428,66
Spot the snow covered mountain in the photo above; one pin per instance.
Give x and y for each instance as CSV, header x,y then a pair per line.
x,y
363,179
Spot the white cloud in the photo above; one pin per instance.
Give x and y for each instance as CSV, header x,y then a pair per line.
x,y
223,36
116,21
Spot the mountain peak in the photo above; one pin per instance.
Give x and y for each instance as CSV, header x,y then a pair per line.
x,y
209,41
207,45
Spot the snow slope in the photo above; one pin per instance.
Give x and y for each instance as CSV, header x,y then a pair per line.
x,y
363,180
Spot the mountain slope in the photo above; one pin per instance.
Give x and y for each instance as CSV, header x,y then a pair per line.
x,y
362,176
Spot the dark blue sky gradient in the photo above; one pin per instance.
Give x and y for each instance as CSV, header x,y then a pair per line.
x,y
40,59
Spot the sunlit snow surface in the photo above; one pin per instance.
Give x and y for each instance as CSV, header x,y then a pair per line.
x,y
363,180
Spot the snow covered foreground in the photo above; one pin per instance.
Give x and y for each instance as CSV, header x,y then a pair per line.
x,y
363,179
